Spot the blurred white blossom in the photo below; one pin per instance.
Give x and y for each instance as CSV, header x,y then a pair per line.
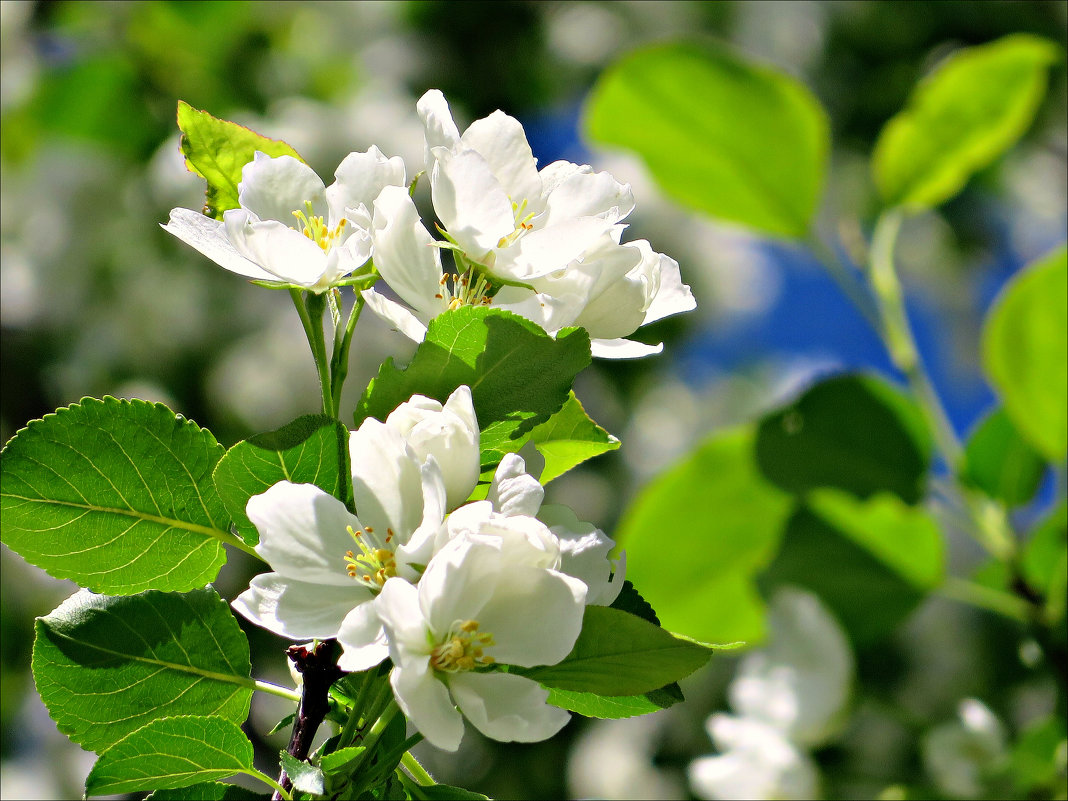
x,y
957,754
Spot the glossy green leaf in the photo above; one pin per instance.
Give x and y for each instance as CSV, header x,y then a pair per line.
x,y
1025,352
871,561
998,461
311,450
960,118
614,707
105,666
217,150
855,433
172,752
208,791
697,534
569,438
741,142
306,778
618,653
115,495
519,375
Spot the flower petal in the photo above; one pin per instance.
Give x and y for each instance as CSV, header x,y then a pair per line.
x,y
280,250
673,296
359,179
506,707
501,141
273,188
421,545
303,532
589,194
299,610
362,638
404,252
584,552
544,250
396,315
426,703
209,237
398,611
457,583
469,200
441,131
386,480
513,491
622,349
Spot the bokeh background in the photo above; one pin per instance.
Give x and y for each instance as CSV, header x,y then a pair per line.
x,y
96,299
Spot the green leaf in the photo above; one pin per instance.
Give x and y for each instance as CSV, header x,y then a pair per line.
x,y
630,600
1035,758
1044,562
618,653
569,438
519,375
697,534
443,792
217,150
311,450
172,752
740,142
208,791
855,433
115,495
960,118
105,666
614,707
306,778
998,461
1025,352
871,561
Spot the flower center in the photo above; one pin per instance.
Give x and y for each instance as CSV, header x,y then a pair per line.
x,y
459,290
376,561
315,228
462,649
522,224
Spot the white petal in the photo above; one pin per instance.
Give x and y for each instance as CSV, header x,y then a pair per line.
x,y
501,141
555,173
506,707
457,583
441,131
545,250
534,614
551,313
396,315
209,237
299,610
469,200
386,481
303,532
280,250
426,703
623,349
399,613
422,544
617,296
516,539
673,296
589,195
584,552
404,252
358,180
513,491
362,638
273,188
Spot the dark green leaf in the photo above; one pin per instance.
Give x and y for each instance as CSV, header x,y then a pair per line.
x,y
856,433
519,375
698,533
965,114
618,653
117,496
217,150
1035,758
311,450
870,561
613,707
569,438
1025,352
1044,561
305,777
630,600
105,666
172,752
1001,463
740,142
208,791
443,792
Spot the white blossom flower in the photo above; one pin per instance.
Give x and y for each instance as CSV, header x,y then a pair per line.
x,y
756,761
481,601
327,563
290,228
545,245
960,753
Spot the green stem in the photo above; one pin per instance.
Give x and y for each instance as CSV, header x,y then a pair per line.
x,y
991,528
348,733
846,281
988,598
310,311
411,764
279,789
339,364
372,737
274,689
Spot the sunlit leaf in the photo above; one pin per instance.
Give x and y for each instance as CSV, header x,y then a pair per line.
x,y
998,461
569,438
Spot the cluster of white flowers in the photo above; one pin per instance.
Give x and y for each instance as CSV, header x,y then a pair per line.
x,y
543,244
790,697
447,589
